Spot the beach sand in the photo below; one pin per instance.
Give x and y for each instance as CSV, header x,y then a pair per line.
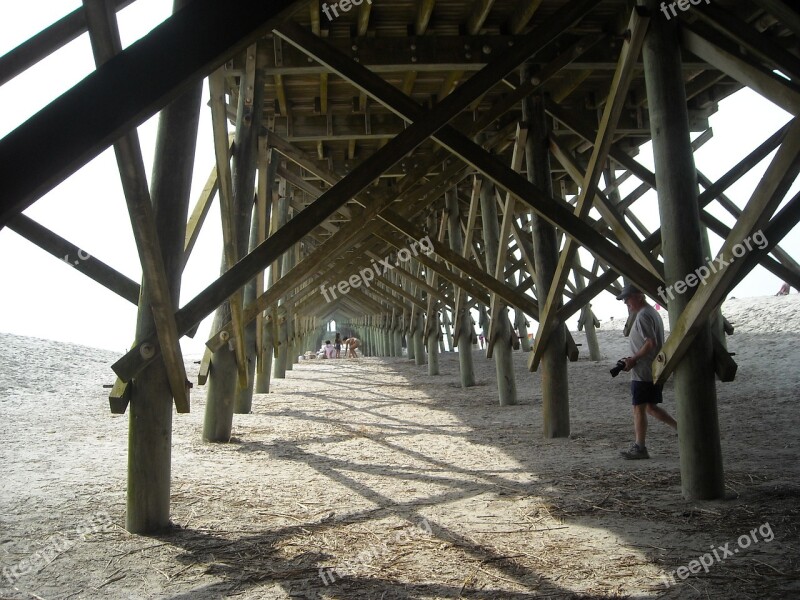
x,y
409,485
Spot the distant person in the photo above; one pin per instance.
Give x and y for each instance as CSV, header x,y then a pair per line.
x,y
337,344
784,291
646,340
480,340
329,349
352,343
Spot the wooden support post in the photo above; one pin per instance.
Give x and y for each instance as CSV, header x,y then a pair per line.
x,y
245,165
150,421
419,327
448,333
501,330
695,392
554,379
398,334
232,375
267,349
234,304
279,364
432,326
263,216
521,324
588,321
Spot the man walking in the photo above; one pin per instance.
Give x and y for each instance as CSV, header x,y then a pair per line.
x,y
646,338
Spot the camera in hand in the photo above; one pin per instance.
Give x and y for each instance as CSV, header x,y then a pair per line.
x,y
618,368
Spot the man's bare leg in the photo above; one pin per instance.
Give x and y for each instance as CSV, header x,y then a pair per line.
x,y
662,415
640,423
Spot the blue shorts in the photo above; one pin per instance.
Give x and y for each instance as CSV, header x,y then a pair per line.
x,y
646,392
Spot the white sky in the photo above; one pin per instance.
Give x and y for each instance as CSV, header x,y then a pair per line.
x,y
44,297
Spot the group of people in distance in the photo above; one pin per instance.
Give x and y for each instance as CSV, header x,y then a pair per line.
x,y
334,350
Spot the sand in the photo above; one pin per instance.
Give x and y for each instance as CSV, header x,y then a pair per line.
x,y
406,485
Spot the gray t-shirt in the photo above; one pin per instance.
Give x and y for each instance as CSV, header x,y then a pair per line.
x,y
648,324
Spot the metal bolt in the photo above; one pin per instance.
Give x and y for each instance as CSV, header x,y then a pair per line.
x,y
224,336
147,351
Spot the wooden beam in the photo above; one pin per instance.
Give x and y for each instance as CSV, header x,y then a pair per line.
x,y
313,15
199,214
128,89
718,53
323,93
523,13
466,284
47,41
622,231
424,12
750,39
75,257
765,199
503,290
363,18
280,93
480,10
785,13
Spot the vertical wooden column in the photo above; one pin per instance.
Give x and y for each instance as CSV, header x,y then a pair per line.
x,y
245,164
587,321
463,323
433,327
433,342
502,330
419,341
225,387
695,389
282,215
448,332
522,327
554,381
267,341
407,326
150,420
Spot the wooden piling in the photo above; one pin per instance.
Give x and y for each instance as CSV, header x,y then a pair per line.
x,y
695,389
150,421
554,380
463,333
502,330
